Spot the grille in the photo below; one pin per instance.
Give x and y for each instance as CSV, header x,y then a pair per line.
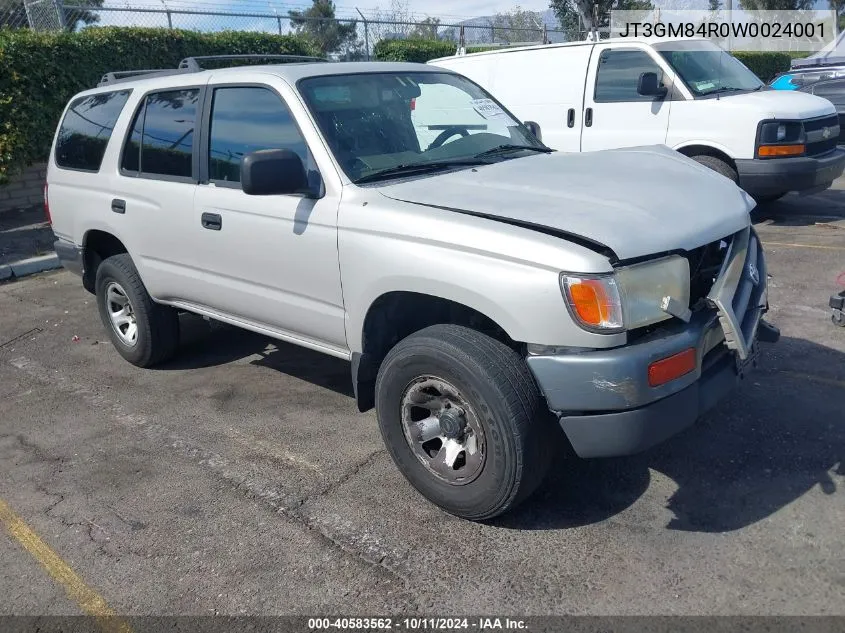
x,y
705,263
817,144
822,147
813,125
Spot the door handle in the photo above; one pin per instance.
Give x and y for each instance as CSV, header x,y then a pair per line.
x,y
570,118
212,221
588,117
118,205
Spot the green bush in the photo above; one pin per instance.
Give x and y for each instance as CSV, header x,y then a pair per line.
x,y
40,72
419,51
412,50
766,65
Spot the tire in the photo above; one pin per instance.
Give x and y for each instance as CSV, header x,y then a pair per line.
x,y
499,396
156,327
717,165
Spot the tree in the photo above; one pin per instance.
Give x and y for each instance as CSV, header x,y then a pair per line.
x,y
425,30
776,5
13,14
517,25
568,12
318,23
714,5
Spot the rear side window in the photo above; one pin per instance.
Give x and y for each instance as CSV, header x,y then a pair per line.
x,y
87,128
161,141
619,73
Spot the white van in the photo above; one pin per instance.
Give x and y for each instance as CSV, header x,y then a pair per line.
x,y
687,94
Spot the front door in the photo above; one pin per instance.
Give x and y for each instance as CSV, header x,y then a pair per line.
x,y
270,260
615,114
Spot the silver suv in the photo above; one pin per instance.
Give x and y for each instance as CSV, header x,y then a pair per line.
x,y
486,291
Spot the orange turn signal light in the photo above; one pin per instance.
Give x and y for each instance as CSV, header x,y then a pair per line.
x,y
590,300
781,150
662,371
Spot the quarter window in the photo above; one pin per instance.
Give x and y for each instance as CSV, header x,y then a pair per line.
x,y
244,120
619,73
162,137
87,128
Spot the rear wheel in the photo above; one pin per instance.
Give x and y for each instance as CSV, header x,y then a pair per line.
x,y
143,332
718,165
463,420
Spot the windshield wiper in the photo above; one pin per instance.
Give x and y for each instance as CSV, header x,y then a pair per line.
x,y
417,168
511,147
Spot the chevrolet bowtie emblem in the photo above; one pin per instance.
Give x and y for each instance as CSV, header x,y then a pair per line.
x,y
826,132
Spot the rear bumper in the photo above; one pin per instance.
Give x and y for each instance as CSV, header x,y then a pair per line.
x,y
779,175
70,256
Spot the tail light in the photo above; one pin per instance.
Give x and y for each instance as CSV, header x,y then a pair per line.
x,y
47,205
413,104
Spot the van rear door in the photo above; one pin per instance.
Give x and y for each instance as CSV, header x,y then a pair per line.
x,y
615,114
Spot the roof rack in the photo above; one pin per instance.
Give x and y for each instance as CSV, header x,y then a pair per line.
x,y
192,65
130,75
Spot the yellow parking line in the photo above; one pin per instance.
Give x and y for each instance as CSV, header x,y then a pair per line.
x,y
826,248
88,599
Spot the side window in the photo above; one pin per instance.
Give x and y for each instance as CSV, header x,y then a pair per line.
x,y
162,137
86,130
619,72
245,120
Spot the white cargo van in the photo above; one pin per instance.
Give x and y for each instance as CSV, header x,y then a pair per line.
x,y
687,94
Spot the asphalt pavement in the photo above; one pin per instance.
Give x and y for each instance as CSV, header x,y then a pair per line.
x,y
241,479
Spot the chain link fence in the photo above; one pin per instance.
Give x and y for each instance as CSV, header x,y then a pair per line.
x,y
343,38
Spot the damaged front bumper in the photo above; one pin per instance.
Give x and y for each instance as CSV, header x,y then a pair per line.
x,y
603,398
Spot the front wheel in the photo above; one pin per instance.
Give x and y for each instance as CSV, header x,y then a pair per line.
x,y
463,420
717,165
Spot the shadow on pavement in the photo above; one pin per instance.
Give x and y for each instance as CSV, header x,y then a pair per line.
x,y
777,437
795,210
780,435
210,343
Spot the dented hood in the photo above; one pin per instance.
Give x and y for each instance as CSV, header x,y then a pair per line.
x,y
636,201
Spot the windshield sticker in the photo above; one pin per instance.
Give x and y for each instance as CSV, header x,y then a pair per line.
x,y
704,85
487,108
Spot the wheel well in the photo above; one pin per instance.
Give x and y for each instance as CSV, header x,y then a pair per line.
x,y
396,315
706,150
97,246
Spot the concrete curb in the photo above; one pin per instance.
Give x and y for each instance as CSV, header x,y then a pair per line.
x,y
30,266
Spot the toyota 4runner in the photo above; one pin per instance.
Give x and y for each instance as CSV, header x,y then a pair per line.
x,y
486,290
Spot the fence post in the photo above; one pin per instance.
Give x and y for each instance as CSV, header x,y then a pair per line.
x,y
366,32
60,12
545,34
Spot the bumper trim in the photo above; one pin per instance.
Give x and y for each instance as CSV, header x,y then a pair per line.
x,y
636,430
775,176
70,256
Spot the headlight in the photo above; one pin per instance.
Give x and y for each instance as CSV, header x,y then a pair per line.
x,y
629,298
781,138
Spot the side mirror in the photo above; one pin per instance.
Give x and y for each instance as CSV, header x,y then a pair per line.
x,y
647,86
269,172
534,128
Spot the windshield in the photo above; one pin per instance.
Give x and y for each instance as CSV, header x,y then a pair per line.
x,y
708,69
389,122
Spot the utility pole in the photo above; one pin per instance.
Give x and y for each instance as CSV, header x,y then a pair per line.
x,y
366,32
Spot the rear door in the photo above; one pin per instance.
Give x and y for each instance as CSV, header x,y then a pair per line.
x,y
615,114
546,86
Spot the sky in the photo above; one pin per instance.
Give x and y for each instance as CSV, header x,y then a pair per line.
x,y
447,10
